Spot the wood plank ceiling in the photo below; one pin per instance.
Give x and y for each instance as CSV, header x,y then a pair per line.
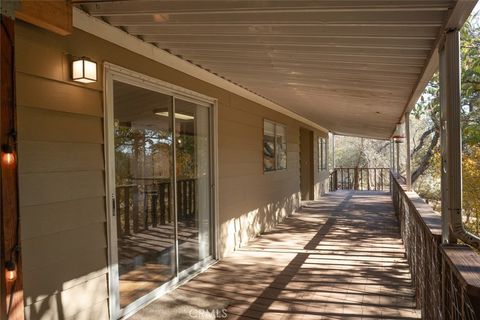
x,y
351,66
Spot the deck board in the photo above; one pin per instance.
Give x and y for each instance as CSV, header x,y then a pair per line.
x,y
337,258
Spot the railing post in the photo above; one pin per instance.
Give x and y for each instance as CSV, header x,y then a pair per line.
x,y
407,161
355,179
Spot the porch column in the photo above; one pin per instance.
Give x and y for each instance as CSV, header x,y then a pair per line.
x,y
391,155
398,158
443,146
452,110
11,280
333,151
407,154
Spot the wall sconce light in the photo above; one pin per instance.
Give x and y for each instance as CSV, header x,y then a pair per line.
x,y
10,271
84,70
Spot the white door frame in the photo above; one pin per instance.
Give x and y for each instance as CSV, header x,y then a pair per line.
x,y
116,73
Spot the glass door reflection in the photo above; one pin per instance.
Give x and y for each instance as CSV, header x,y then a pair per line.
x,y
193,197
144,182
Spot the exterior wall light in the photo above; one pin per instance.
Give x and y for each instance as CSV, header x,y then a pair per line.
x,y
84,70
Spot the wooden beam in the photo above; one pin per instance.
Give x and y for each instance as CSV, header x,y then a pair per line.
x,y
11,291
55,16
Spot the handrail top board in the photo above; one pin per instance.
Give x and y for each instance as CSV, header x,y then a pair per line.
x,y
466,264
431,219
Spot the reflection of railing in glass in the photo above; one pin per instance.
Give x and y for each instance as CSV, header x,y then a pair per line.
x,y
135,215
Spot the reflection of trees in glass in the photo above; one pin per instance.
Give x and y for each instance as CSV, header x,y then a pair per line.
x,y
141,153
268,153
274,146
146,153
185,156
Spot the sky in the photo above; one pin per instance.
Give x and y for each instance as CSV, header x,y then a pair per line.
x,y
475,11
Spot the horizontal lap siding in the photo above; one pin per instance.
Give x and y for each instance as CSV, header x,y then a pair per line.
x,y
62,189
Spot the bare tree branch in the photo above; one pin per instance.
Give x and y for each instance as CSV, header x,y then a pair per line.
x,y
422,141
424,163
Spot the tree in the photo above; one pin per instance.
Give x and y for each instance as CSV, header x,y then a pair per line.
x,y
425,155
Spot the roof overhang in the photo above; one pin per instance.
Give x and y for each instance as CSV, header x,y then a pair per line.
x,y
352,67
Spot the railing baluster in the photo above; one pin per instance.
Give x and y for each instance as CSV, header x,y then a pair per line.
x,y
135,210
161,196
361,179
154,200
127,210
118,211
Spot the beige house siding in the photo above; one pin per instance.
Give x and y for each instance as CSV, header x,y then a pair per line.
x,y
61,165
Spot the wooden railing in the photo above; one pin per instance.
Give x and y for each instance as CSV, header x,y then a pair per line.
x,y
141,206
446,277
359,179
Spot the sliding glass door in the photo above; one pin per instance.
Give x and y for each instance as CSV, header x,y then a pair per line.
x,y
193,182
159,177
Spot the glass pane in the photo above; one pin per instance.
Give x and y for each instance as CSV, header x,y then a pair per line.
x,y
143,173
281,147
192,134
268,146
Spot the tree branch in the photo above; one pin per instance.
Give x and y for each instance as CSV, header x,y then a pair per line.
x,y
425,162
422,141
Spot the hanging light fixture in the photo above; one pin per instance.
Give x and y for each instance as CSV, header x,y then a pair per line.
x,y
399,134
84,70
8,152
8,156
10,271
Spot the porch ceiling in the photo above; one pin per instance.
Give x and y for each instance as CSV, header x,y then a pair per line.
x,y
353,67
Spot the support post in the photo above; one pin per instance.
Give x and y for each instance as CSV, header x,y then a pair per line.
x,y
392,156
452,109
408,172
398,158
333,151
11,290
443,146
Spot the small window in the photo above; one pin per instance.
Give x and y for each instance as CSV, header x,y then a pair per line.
x,y
322,154
274,146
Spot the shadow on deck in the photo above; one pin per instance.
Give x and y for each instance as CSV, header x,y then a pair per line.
x,y
338,258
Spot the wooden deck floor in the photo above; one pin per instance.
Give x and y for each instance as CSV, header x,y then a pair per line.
x,y
338,258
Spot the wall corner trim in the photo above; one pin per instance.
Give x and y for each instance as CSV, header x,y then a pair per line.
x,y
103,30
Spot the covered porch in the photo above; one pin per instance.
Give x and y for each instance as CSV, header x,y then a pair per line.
x,y
187,173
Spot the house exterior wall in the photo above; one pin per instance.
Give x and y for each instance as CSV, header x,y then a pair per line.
x,y
62,170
